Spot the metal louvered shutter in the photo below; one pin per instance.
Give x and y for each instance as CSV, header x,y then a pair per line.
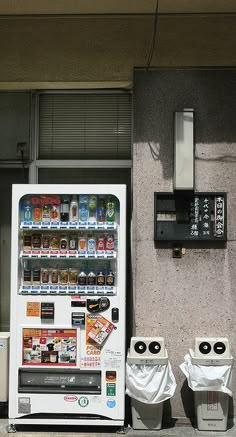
x,y
85,126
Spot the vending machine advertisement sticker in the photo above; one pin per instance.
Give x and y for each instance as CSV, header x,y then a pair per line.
x,y
110,375
212,401
70,398
49,347
111,403
111,389
33,309
24,406
83,401
97,329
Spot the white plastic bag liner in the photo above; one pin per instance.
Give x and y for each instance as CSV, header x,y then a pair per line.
x,y
207,378
150,384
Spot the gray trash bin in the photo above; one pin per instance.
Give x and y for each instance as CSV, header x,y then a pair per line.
x,y
146,416
208,369
147,367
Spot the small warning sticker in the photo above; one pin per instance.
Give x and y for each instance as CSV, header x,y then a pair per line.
x,y
24,406
33,309
212,400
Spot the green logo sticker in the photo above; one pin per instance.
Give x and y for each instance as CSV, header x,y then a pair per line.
x,y
111,389
83,401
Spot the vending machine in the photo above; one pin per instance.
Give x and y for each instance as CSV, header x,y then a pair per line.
x,y
67,337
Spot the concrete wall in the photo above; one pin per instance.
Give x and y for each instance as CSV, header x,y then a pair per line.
x,y
52,52
193,296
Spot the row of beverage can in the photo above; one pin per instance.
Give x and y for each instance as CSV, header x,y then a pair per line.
x,y
45,276
82,208
83,243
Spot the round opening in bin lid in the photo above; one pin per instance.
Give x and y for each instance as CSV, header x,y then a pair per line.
x,y
219,347
154,347
205,347
140,347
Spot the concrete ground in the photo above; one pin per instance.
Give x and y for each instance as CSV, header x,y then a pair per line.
x,y
177,431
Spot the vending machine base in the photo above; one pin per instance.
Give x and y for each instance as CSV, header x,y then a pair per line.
x,y
12,423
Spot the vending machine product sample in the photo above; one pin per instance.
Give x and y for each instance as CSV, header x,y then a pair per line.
x,y
67,343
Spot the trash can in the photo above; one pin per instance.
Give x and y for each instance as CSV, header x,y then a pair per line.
x,y
209,373
149,381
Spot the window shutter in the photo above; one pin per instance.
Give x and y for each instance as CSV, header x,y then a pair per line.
x,y
85,126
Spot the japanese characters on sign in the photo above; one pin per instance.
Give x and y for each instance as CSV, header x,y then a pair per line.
x,y
194,214
198,216
219,217
206,217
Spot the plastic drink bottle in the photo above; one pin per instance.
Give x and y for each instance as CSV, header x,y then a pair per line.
x,y
91,244
46,213
83,208
101,279
110,279
82,279
92,208
101,210
65,209
74,209
27,211
111,211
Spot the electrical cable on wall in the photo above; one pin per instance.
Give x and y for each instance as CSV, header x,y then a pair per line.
x,y
150,56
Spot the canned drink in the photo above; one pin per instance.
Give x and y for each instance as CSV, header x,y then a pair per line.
x,y
27,241
44,276
64,243
55,242
63,274
73,242
110,243
54,276
55,213
82,278
101,279
101,243
91,278
73,276
36,241
27,277
91,244
36,276
82,244
46,241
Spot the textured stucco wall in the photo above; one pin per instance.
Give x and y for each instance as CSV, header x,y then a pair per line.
x,y
193,296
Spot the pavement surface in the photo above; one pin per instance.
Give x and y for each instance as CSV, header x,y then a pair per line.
x,y
176,431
